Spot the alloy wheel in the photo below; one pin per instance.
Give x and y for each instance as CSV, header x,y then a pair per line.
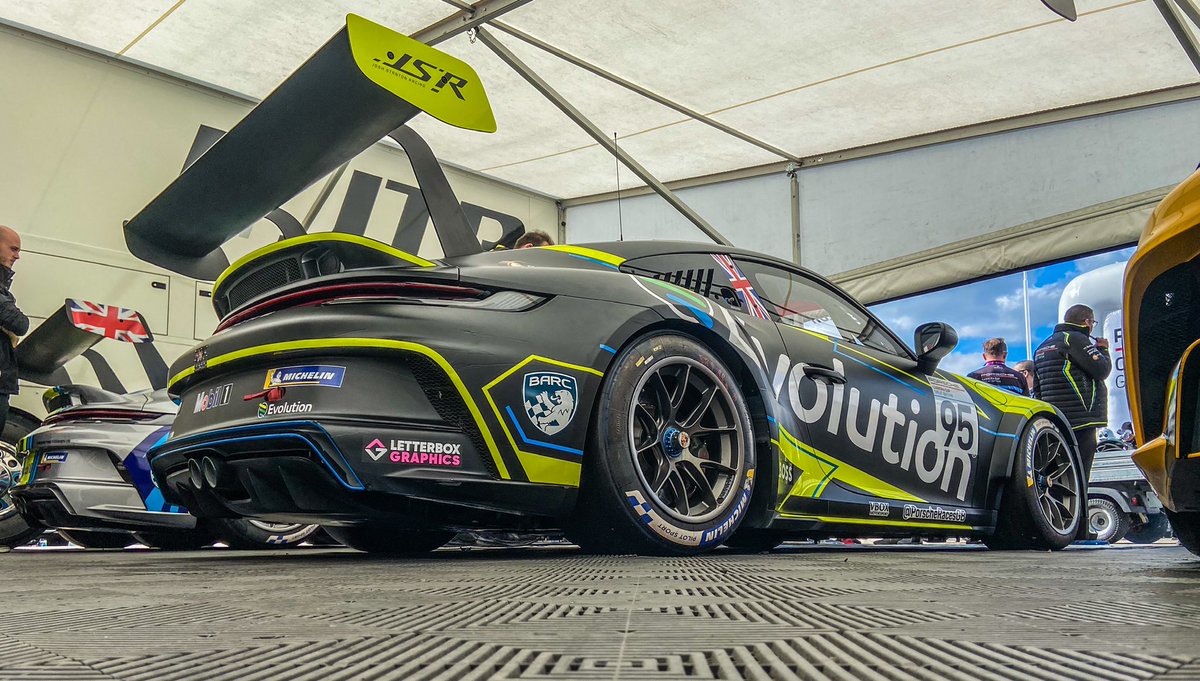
x,y
685,439
1054,480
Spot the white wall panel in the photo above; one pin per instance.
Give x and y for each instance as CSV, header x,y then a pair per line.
x,y
877,208
753,213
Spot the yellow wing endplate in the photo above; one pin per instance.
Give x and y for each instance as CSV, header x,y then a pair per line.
x,y
442,86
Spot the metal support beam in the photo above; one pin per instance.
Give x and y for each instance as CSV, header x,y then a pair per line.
x,y
1176,20
648,94
793,173
590,128
465,20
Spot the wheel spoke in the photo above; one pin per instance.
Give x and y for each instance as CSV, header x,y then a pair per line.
x,y
679,489
703,488
705,430
662,471
706,400
676,398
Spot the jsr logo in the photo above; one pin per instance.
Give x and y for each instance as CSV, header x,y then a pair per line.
x,y
419,69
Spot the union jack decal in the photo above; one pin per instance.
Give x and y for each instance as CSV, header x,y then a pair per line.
x,y
110,321
742,286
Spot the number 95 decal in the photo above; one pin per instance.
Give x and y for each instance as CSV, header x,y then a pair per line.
x,y
957,427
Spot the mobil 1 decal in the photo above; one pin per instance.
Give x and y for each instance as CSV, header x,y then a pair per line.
x,y
918,434
538,402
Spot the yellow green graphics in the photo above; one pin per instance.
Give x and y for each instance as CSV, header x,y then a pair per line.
x,y
442,86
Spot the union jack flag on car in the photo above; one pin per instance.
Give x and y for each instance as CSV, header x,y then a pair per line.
x,y
118,323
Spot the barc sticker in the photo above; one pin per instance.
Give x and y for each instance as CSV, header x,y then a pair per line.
x,y
550,399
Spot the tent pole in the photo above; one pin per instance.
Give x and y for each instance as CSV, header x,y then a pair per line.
x,y
590,128
1173,15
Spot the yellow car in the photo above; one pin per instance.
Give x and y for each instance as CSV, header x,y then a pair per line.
x,y
1162,327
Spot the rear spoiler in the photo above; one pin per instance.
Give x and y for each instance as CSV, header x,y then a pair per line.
x,y
71,331
362,85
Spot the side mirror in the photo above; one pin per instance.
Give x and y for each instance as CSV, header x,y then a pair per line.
x,y
933,341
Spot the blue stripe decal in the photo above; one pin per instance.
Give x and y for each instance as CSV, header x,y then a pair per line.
x,y
992,432
607,349
878,371
699,314
355,483
771,419
512,417
595,261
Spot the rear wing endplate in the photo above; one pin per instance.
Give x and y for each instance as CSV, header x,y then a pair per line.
x,y
364,83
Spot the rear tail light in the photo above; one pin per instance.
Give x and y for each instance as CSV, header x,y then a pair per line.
x,y
99,415
411,292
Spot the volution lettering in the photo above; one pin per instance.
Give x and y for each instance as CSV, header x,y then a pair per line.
x,y
942,455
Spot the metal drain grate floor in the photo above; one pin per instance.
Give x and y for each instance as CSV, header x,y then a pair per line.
x,y
800,612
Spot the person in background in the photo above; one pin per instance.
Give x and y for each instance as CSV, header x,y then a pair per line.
x,y
1025,368
994,370
1126,433
13,322
534,239
1069,371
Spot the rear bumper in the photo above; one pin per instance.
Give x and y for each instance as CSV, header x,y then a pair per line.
x,y
93,505
327,473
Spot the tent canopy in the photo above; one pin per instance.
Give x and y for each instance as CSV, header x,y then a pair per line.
x,y
804,78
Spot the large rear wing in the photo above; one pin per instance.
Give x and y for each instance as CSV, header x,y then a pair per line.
x,y
72,330
362,85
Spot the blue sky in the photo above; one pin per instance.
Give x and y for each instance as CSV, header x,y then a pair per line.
x,y
993,307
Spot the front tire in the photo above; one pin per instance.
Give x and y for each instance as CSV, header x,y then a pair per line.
x,y
1107,521
670,463
1041,507
383,540
245,533
1186,525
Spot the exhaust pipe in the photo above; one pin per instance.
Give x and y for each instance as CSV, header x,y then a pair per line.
x,y
211,470
195,475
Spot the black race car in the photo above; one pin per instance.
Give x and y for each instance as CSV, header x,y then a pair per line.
x,y
649,397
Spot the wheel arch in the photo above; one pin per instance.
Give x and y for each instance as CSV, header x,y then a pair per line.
x,y
1112,495
1003,466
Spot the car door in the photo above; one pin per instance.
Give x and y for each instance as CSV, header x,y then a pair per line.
x,y
885,441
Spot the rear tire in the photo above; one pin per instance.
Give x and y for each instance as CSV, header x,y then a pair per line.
x,y
1041,507
670,464
1186,525
1107,521
1157,527
383,540
179,540
96,539
244,533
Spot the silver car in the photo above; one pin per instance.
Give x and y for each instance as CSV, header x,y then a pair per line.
x,y
85,473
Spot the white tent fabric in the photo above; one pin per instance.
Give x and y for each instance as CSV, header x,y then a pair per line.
x,y
809,77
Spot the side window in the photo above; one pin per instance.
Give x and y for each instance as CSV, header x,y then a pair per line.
x,y
697,272
798,301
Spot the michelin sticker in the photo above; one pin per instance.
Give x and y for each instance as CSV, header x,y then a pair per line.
x,y
284,377
550,399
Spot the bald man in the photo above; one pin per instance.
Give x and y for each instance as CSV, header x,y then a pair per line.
x,y
13,322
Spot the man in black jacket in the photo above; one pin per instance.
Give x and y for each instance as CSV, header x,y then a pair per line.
x,y
13,322
1069,371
